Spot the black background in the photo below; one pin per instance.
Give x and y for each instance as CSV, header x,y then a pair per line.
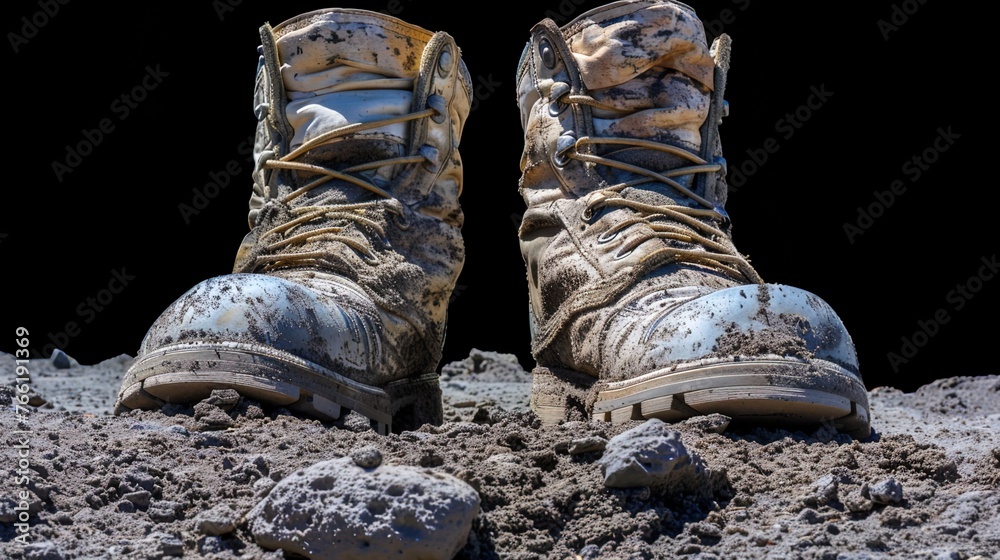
x,y
892,89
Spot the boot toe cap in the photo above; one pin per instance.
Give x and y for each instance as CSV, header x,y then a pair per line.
x,y
254,310
741,323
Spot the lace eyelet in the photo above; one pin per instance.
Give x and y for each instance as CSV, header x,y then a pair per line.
x,y
556,93
620,256
564,144
440,107
432,157
398,217
588,215
444,62
547,54
605,238
725,165
262,110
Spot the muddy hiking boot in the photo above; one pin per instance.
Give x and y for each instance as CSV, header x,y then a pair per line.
x,y
339,294
640,304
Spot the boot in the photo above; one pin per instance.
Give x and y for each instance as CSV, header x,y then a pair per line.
x,y
640,304
339,294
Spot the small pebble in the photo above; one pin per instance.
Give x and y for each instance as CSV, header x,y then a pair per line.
x,y
587,444
888,491
367,457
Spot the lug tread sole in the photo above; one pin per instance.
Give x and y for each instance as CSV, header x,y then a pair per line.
x,y
769,392
186,374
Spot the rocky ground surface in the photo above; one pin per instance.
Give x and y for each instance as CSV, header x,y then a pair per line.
x,y
230,479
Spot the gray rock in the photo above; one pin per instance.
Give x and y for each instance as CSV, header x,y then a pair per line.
x,y
225,399
367,457
858,501
211,545
126,506
810,516
888,491
336,509
137,479
710,423
95,501
139,499
651,455
824,491
164,511
218,520
587,444
61,360
262,487
211,416
160,545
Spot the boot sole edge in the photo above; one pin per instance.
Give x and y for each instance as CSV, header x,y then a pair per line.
x,y
187,373
767,392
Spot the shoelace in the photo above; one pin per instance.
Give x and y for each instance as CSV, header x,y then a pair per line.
x,y
271,256
661,219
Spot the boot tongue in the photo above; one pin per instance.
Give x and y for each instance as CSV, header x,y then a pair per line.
x,y
650,65
341,67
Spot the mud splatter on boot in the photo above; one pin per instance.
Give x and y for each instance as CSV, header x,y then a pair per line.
x,y
641,306
339,294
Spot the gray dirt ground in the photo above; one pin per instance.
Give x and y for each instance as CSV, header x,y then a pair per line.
x,y
774,493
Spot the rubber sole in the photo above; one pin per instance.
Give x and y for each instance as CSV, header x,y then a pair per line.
x,y
186,374
768,392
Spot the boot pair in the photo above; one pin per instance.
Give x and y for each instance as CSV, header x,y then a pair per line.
x,y
640,305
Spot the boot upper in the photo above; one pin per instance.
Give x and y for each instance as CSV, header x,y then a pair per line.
x,y
340,289
624,180
357,173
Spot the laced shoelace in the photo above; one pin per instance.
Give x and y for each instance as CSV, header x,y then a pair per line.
x,y
275,255
661,220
